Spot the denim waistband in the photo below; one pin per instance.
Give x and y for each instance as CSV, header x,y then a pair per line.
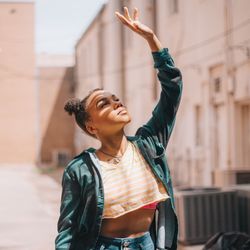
x,y
122,240
143,242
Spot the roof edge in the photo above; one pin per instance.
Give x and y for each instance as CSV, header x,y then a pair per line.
x,y
97,16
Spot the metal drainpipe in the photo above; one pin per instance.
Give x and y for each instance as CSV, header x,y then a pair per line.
x,y
230,74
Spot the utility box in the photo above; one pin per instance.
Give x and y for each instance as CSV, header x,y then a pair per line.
x,y
202,212
243,201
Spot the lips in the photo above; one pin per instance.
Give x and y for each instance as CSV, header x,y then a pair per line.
x,y
122,111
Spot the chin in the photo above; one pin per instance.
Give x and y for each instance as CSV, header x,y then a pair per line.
x,y
125,119
127,122
128,119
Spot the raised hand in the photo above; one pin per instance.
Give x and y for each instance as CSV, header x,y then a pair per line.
x,y
135,25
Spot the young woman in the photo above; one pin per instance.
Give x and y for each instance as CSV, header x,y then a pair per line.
x,y
120,196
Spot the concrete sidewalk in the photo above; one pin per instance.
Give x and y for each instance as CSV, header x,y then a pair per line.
x,y
29,208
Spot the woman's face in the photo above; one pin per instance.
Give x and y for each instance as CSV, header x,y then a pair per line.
x,y
107,113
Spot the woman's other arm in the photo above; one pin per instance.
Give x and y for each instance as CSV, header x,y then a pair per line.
x,y
66,225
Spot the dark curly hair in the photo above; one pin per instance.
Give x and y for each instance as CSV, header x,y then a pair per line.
x,y
77,107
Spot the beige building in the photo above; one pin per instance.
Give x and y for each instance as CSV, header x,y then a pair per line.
x,y
56,130
210,43
34,88
211,140
18,131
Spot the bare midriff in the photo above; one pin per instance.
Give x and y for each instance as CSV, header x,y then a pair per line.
x,y
132,224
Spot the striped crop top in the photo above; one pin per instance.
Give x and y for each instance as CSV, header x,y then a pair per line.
x,y
130,185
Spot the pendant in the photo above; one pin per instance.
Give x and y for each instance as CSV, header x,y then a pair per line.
x,y
115,161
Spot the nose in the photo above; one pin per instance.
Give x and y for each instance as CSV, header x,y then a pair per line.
x,y
117,104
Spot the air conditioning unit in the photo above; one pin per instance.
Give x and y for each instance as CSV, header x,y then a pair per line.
x,y
202,212
243,197
224,178
61,158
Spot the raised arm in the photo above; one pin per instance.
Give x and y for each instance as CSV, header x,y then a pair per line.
x,y
160,125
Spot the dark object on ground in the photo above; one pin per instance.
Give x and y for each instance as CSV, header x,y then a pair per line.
x,y
228,241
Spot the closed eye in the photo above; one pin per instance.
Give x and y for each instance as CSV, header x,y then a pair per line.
x,y
103,103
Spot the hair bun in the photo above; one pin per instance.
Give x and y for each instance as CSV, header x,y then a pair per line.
x,y
73,105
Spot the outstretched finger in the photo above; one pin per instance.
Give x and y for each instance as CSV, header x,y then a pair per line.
x,y
126,13
124,20
121,18
135,14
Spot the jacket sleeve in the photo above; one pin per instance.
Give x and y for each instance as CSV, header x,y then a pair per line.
x,y
70,200
161,123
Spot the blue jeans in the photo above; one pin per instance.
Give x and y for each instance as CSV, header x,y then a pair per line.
x,y
143,242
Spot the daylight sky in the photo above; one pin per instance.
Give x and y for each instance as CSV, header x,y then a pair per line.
x,y
59,23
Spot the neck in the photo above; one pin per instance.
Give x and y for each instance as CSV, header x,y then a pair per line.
x,y
115,144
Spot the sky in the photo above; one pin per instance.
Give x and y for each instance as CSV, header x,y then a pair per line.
x,y
59,23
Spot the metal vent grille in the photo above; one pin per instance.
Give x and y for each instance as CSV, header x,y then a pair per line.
x,y
204,212
243,196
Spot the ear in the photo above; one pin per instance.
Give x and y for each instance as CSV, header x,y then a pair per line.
x,y
91,128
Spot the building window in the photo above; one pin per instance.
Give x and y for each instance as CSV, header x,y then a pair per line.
x,y
217,84
173,6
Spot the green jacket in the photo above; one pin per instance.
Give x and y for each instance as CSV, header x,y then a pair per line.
x,y
82,199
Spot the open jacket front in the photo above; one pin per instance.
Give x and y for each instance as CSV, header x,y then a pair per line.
x,y
82,199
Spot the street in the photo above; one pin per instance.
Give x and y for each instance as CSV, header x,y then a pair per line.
x,y
29,208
